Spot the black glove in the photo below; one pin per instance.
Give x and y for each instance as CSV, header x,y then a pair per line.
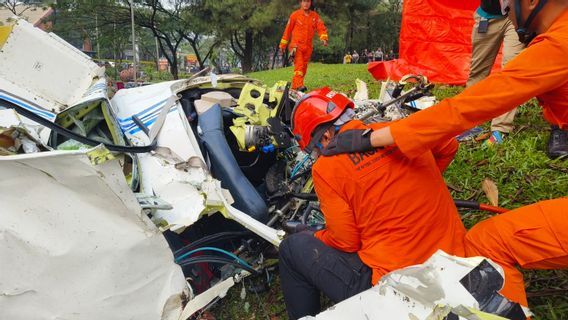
x,y
357,140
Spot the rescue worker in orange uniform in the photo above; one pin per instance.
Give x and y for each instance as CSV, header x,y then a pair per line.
x,y
383,211
300,30
532,237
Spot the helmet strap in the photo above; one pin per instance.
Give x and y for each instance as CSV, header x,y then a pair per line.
x,y
316,137
523,27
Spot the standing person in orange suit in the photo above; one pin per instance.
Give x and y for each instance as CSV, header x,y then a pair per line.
x,y
300,31
534,236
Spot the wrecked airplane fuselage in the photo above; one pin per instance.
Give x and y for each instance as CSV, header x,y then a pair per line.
x,y
83,227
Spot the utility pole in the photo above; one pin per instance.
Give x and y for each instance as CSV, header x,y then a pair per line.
x,y
114,53
97,35
157,55
133,39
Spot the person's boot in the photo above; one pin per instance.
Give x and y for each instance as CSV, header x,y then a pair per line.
x,y
557,143
303,89
469,134
496,138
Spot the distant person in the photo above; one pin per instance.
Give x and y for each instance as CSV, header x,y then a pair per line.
x,y
347,58
370,56
355,57
391,55
111,89
379,56
364,58
300,31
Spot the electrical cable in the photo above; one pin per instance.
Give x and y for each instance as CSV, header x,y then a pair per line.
x,y
254,163
257,296
301,174
211,238
305,196
74,136
299,166
217,259
180,258
214,259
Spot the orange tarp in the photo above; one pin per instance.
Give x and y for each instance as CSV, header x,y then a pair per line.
x,y
435,41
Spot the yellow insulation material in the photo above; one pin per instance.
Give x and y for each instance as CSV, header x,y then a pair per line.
x,y
5,32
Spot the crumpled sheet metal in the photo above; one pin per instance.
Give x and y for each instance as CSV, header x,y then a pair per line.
x,y
176,144
17,135
42,73
168,172
423,292
76,246
10,118
181,187
362,91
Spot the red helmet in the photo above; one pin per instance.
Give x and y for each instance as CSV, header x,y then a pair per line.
x,y
314,109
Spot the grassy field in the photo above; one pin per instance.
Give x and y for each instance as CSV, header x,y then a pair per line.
x,y
519,167
340,77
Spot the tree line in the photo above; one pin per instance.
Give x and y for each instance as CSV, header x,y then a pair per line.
x,y
248,31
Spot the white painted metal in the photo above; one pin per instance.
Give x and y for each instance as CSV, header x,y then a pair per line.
x,y
75,244
199,302
44,71
422,292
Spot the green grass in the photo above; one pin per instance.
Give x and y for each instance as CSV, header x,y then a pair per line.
x,y
340,77
519,167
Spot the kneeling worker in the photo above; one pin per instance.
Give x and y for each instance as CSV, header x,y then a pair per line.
x,y
383,211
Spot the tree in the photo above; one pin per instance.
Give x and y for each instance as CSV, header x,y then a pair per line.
x,y
171,22
77,20
387,17
195,21
250,27
152,15
356,14
18,7
174,24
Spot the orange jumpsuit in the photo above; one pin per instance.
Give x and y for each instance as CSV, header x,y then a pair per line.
x,y
300,29
393,211
534,236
